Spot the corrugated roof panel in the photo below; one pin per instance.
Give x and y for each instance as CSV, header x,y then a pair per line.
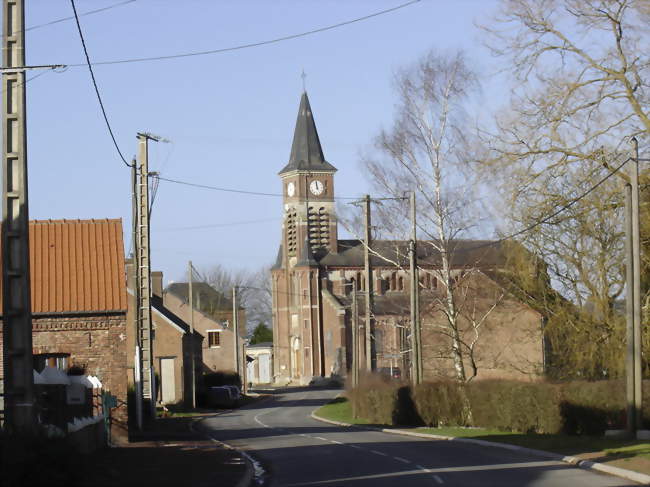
x,y
77,266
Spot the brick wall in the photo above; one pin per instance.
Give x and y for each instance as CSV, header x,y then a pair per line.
x,y
97,343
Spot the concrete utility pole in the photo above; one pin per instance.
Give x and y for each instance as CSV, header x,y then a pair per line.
x,y
18,387
137,312
235,328
191,300
143,272
368,282
416,348
633,298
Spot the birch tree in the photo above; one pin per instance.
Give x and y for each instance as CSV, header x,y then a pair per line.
x,y
424,150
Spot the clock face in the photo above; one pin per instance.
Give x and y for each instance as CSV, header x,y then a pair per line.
x,y
291,189
316,187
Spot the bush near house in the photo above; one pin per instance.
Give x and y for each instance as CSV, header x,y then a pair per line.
x,y
576,408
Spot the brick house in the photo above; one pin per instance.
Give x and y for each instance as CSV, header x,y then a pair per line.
x,y
79,305
213,315
315,273
173,346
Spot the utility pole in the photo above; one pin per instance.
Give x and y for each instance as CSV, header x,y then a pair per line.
x,y
355,345
191,300
137,312
235,328
416,348
18,387
355,339
143,270
633,296
368,281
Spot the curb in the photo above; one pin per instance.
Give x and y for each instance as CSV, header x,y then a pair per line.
x,y
584,464
249,474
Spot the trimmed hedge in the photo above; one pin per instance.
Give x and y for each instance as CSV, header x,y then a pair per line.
x,y
576,408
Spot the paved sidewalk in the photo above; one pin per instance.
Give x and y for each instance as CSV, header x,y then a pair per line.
x,y
170,454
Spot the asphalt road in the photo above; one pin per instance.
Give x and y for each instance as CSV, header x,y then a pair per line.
x,y
296,450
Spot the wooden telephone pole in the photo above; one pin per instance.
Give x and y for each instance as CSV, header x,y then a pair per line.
x,y
633,298
368,283
416,346
235,329
18,387
190,293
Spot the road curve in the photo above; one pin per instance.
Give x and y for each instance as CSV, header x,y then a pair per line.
x,y
296,450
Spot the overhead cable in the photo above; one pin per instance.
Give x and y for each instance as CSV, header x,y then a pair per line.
x,y
90,12
253,44
231,190
552,215
94,81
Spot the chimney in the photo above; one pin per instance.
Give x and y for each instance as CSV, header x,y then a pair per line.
x,y
157,283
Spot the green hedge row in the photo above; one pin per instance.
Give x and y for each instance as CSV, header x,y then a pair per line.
x,y
573,408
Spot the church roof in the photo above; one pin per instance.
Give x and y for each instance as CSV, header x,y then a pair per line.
x,y
206,299
464,253
306,151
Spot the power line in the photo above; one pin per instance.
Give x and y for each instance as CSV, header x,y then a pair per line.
x,y
239,191
92,76
254,44
219,225
90,12
552,215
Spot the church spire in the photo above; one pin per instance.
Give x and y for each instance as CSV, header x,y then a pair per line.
x,y
306,151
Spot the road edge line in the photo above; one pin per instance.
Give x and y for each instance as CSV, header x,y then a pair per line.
x,y
249,474
584,464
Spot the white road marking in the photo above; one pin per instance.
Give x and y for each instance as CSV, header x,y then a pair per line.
x,y
378,453
403,460
438,479
336,442
356,446
320,438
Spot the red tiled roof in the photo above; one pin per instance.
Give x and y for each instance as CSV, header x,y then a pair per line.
x,y
77,266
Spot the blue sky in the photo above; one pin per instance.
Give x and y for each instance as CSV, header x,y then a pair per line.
x,y
230,116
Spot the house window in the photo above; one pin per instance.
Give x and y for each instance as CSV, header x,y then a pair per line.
x,y
59,361
214,339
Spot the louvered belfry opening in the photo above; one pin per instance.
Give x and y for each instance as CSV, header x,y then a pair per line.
x,y
292,237
318,225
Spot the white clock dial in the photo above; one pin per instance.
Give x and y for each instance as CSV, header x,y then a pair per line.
x,y
316,187
291,189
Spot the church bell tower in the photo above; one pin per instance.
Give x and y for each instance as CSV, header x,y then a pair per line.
x,y
310,228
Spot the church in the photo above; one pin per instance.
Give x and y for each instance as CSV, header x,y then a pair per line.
x,y
316,274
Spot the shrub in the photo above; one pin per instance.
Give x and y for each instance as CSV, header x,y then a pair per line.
x,y
440,403
578,408
528,407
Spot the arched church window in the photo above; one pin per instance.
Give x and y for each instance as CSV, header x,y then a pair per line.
x,y
400,283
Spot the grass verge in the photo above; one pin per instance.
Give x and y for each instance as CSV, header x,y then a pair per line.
x,y
629,454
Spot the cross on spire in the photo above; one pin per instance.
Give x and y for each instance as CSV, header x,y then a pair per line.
x,y
304,77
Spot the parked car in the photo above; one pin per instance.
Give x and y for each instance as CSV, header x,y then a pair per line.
x,y
221,397
235,392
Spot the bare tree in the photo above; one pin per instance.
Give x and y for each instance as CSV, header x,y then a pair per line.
x,y
580,90
254,291
425,150
581,81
